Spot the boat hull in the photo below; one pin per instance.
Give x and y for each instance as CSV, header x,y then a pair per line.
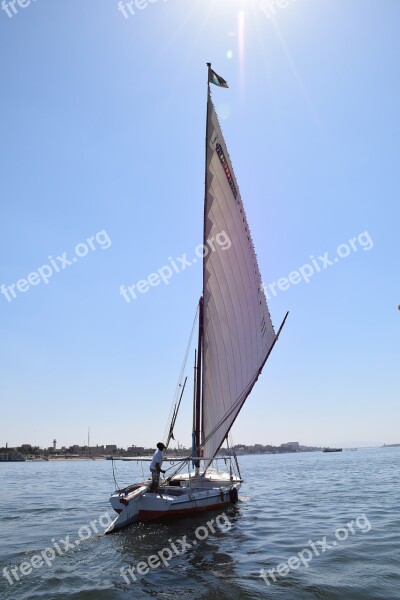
x,y
138,504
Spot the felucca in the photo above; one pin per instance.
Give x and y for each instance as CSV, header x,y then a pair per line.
x,y
235,339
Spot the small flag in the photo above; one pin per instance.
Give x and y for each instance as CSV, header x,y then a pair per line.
x,y
216,79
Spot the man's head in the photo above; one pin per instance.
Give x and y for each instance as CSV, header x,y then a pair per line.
x,y
160,446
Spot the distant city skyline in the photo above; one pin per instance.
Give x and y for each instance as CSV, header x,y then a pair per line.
x,y
347,444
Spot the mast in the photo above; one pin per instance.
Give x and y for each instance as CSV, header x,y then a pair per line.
x,y
198,389
205,174
199,370
194,407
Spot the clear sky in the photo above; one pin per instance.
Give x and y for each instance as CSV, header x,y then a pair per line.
x,y
102,136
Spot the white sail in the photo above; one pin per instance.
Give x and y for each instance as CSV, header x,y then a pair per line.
x,y
238,334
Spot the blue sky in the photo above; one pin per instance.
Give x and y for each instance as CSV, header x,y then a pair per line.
x,y
102,130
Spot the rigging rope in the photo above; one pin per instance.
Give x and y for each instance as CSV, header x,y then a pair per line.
x,y
181,374
115,480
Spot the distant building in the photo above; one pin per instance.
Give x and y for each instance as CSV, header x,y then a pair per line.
x,y
92,450
291,446
76,449
136,450
111,448
96,450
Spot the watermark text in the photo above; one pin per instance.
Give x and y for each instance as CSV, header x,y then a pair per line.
x,y
55,265
175,548
317,264
175,265
305,556
58,548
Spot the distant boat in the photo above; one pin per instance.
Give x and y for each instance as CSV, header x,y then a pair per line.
x,y
332,450
235,339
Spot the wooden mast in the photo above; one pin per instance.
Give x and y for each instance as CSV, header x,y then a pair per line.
x,y
199,370
197,430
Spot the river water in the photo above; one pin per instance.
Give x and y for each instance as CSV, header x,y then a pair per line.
x,y
307,526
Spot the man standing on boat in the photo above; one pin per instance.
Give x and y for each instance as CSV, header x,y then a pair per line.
x,y
155,467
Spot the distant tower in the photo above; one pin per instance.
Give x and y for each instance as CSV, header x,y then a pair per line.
x,y
54,444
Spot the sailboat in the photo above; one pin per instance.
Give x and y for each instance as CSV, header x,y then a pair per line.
x,y
235,339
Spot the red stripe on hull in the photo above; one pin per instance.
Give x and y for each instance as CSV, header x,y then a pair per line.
x,y
151,515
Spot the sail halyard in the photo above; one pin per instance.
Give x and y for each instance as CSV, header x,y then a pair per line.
x,y
237,332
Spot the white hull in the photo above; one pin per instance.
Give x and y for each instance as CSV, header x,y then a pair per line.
x,y
137,504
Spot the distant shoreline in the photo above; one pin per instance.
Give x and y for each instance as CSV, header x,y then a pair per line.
x,y
140,458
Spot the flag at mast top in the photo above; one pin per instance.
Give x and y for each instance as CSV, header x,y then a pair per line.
x,y
216,79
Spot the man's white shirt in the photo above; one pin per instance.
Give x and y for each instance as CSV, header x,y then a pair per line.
x,y
157,458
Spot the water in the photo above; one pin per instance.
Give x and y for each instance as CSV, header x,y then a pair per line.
x,y
287,503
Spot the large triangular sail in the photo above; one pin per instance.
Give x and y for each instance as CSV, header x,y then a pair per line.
x,y
237,330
